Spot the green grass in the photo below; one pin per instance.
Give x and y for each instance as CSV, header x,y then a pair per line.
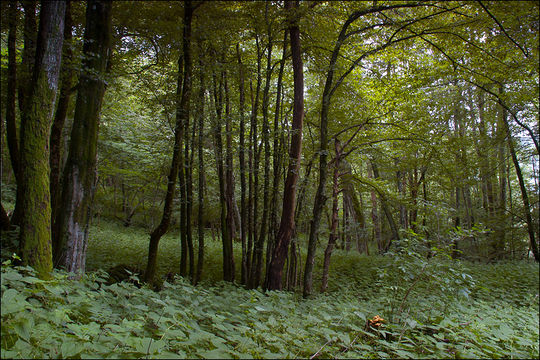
x,y
433,309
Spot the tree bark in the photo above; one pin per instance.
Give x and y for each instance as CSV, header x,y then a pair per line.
x,y
66,75
241,161
286,227
277,159
80,173
228,260
200,221
35,229
257,262
229,188
183,92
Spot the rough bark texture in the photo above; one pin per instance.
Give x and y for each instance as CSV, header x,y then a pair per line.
x,y
66,75
79,178
183,92
35,231
286,227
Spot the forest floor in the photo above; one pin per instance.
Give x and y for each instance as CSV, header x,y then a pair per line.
x,y
431,309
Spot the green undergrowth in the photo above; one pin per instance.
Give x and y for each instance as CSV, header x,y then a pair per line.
x,y
435,308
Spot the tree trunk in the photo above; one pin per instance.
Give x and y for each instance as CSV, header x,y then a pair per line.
x,y
35,233
334,222
241,160
80,174
286,227
183,92
228,260
200,221
524,195
257,263
66,74
229,188
387,212
277,159
375,216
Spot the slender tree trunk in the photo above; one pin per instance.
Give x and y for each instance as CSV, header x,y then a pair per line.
x,y
228,260
387,212
229,188
334,222
80,174
253,165
35,233
256,148
183,204
66,74
286,227
183,92
485,166
200,220
375,215
259,244
523,188
189,202
277,159
241,161
500,236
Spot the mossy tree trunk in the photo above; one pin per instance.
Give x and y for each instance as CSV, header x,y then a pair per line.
x,y
24,77
79,176
35,234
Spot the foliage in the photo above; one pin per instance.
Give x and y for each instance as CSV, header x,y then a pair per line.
x,y
63,318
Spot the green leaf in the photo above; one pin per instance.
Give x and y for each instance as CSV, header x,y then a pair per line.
x,y
69,348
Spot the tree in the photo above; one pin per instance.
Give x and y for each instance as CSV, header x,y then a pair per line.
x,y
183,92
286,227
79,178
35,233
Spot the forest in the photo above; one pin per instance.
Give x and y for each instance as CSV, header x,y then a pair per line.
x,y
270,179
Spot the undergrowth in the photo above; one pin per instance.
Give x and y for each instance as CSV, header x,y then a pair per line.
x,y
437,308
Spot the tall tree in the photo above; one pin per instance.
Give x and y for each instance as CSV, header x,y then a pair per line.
x,y
66,81
80,173
183,92
200,188
286,227
24,78
35,233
